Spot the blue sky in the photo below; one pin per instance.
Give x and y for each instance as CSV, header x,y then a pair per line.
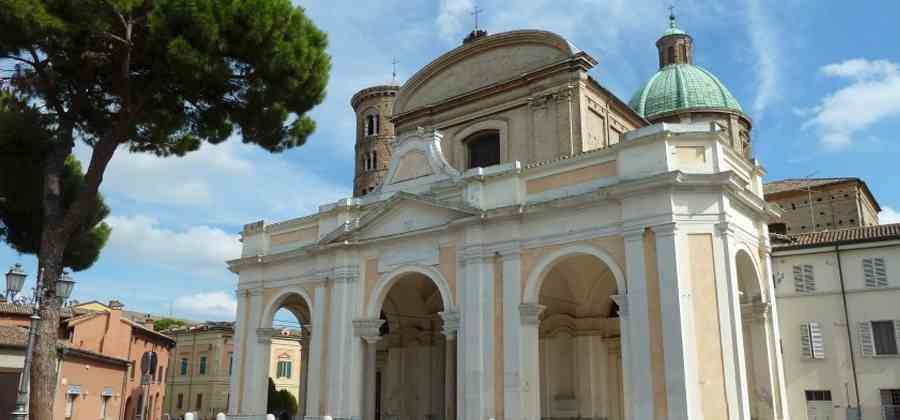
x,y
820,79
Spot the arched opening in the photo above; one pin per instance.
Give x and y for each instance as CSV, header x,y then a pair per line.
x,y
754,328
371,124
410,357
288,358
579,341
483,149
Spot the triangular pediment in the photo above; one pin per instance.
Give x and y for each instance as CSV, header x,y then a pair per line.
x,y
403,213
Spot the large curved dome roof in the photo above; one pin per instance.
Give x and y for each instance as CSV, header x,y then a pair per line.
x,y
678,87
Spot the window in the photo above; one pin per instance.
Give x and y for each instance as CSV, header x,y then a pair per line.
x,y
230,363
202,369
131,369
811,341
874,272
179,402
104,402
671,55
184,367
484,149
199,404
819,405
804,281
159,374
70,405
283,370
371,124
879,338
890,404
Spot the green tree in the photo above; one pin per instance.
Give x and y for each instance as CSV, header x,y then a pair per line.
x,y
281,403
167,323
23,144
155,76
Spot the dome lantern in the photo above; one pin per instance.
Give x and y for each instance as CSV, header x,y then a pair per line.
x,y
675,45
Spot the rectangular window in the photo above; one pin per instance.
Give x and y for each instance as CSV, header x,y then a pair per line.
x,y
104,402
179,402
811,341
874,272
890,404
283,369
804,280
819,405
70,405
230,363
184,367
203,365
132,368
879,338
199,402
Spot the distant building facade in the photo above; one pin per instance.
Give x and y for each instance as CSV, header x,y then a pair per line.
x,y
838,300
817,204
202,363
100,363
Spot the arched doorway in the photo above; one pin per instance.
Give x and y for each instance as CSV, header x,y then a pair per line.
x,y
755,332
580,361
288,333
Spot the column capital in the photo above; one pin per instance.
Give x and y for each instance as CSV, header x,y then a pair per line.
x,y
530,313
368,329
665,229
725,228
622,301
264,335
633,233
345,274
451,324
755,311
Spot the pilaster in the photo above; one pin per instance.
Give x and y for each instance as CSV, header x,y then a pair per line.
x,y
476,370
637,335
735,368
512,335
530,318
344,350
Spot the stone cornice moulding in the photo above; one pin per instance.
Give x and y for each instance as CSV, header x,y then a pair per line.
x,y
451,324
530,313
368,329
621,301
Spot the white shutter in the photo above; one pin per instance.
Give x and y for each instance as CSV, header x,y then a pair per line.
x,y
881,279
817,340
897,333
798,279
866,342
808,278
869,272
805,341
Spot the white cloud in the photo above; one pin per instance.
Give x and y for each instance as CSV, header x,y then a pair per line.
x,y
872,96
211,306
198,249
767,55
453,16
888,215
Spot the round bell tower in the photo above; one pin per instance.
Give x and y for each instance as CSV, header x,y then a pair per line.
x,y
374,134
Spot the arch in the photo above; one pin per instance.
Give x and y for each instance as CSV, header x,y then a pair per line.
x,y
461,155
384,284
275,304
539,271
747,266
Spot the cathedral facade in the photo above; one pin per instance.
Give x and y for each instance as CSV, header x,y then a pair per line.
x,y
522,244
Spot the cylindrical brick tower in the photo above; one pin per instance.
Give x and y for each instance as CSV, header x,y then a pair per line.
x,y
374,135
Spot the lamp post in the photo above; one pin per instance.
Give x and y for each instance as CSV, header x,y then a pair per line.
x,y
15,279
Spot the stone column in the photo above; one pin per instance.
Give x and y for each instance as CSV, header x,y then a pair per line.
x,y
773,335
530,318
316,353
730,320
370,331
622,347
614,387
682,399
236,385
304,372
476,305
512,340
257,395
755,316
451,326
636,337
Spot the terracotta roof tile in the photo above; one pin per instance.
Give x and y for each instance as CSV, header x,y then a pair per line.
x,y
838,237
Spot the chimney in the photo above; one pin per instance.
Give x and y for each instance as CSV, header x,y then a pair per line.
x,y
148,322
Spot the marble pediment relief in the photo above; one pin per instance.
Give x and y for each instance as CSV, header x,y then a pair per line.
x,y
417,162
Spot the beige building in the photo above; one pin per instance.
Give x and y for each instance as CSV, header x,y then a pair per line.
x,y
202,363
531,247
838,299
817,204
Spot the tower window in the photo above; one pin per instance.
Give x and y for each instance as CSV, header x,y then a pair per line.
x,y
371,124
671,54
484,149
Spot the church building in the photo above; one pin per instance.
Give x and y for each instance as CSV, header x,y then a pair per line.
x,y
524,245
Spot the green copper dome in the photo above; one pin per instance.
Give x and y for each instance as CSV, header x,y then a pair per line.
x,y
678,87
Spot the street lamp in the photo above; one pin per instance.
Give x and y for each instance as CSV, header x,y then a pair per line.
x,y
64,285
15,279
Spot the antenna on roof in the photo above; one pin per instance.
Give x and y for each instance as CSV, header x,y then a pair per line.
x,y
812,210
394,73
475,12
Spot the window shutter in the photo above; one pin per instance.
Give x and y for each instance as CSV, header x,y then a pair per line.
x,y
799,284
881,279
805,341
866,342
869,272
808,278
897,332
817,340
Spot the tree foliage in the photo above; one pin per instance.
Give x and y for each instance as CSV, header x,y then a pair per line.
x,y
23,145
281,403
156,76
167,323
